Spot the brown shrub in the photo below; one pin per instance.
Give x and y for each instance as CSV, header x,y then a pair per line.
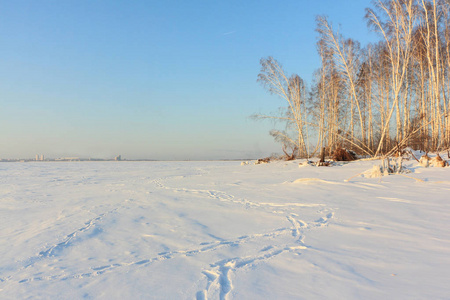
x,y
262,161
341,154
439,162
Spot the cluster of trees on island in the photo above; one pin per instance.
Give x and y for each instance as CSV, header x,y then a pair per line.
x,y
372,99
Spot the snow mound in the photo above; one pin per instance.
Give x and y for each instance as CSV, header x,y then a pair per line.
x,y
375,172
313,180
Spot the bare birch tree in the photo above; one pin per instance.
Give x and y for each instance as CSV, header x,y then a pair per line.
x,y
395,23
292,89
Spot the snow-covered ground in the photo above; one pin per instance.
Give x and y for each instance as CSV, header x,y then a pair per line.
x,y
219,230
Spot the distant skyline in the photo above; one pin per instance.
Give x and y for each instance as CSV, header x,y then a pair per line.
x,y
165,80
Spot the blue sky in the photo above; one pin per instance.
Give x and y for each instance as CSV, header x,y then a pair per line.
x,y
152,79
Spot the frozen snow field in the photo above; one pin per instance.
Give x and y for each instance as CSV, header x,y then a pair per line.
x,y
219,230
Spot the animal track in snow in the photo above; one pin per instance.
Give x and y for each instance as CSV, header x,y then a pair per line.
x,y
220,274
99,270
51,251
297,226
223,269
59,247
68,238
225,197
323,221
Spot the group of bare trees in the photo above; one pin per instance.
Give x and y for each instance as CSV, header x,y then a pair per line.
x,y
374,98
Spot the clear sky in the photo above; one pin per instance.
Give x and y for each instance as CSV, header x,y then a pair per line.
x,y
152,79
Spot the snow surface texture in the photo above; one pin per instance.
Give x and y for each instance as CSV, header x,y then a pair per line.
x,y
219,230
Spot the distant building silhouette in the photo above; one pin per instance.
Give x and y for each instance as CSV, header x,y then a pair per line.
x,y
118,158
